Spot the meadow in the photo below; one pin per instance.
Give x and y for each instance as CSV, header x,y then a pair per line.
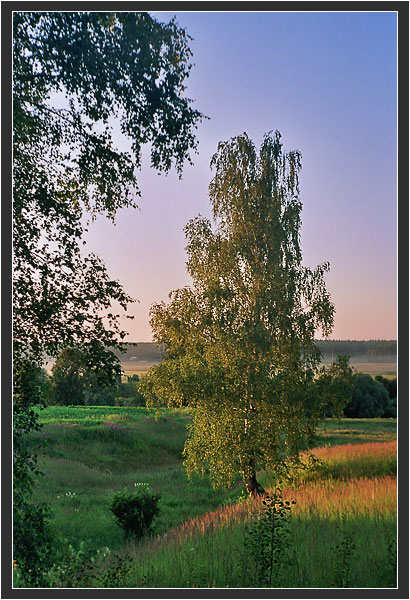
x,y
342,528
360,364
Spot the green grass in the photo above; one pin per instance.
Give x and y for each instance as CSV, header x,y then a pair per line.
x,y
219,558
88,453
356,431
91,452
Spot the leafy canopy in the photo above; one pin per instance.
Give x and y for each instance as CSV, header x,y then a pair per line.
x,y
66,159
66,164
240,341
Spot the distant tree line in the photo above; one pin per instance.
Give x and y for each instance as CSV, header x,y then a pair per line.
x,y
74,382
150,351
372,349
141,351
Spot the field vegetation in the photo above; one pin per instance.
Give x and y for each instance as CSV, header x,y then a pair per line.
x,y
341,530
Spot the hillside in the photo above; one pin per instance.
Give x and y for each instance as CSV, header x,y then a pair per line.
x,y
88,453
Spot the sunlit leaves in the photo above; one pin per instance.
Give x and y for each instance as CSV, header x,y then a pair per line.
x,y
240,341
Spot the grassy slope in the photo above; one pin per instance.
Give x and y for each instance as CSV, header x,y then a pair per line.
x,y
88,453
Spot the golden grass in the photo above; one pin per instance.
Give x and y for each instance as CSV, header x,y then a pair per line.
x,y
374,368
362,496
346,452
357,497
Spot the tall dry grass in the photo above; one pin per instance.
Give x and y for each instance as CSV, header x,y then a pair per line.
x,y
209,551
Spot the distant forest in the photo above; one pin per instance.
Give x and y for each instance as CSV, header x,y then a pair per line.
x,y
371,351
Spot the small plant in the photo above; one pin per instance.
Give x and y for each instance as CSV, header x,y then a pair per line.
x,y
345,555
135,510
243,497
392,561
267,540
117,574
75,567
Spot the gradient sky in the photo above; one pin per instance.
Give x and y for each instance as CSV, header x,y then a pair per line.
x,y
327,82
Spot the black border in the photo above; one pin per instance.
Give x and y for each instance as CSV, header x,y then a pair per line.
x,y
402,9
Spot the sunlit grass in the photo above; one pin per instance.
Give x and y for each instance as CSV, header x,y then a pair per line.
x,y
209,551
88,453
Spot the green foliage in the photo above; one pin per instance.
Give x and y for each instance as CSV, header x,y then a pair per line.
x,y
239,343
135,511
65,164
345,558
31,534
117,574
75,382
32,541
369,399
128,393
334,383
267,541
74,567
389,384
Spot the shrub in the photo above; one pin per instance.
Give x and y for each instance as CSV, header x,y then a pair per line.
x,y
369,398
135,510
119,401
32,543
389,384
128,393
390,410
267,541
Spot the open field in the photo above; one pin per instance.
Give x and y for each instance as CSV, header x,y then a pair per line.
x,y
211,551
363,365
137,368
88,453
387,369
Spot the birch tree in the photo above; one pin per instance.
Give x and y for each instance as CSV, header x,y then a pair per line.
x,y
239,341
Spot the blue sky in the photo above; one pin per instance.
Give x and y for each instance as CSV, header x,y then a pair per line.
x,y
327,82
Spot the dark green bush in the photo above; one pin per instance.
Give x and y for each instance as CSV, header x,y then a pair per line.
x,y
369,398
389,384
128,393
135,511
75,382
32,542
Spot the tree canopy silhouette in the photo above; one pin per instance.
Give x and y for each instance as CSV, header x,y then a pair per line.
x,y
66,163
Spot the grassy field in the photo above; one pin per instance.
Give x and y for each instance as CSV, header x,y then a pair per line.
x,y
387,369
88,453
137,367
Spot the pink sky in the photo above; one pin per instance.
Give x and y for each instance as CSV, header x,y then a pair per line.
x,y
327,81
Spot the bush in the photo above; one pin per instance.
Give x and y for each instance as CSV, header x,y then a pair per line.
x,y
267,541
128,393
369,398
389,384
390,411
32,543
136,510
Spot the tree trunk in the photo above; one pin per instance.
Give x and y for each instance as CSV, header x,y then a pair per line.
x,y
252,485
